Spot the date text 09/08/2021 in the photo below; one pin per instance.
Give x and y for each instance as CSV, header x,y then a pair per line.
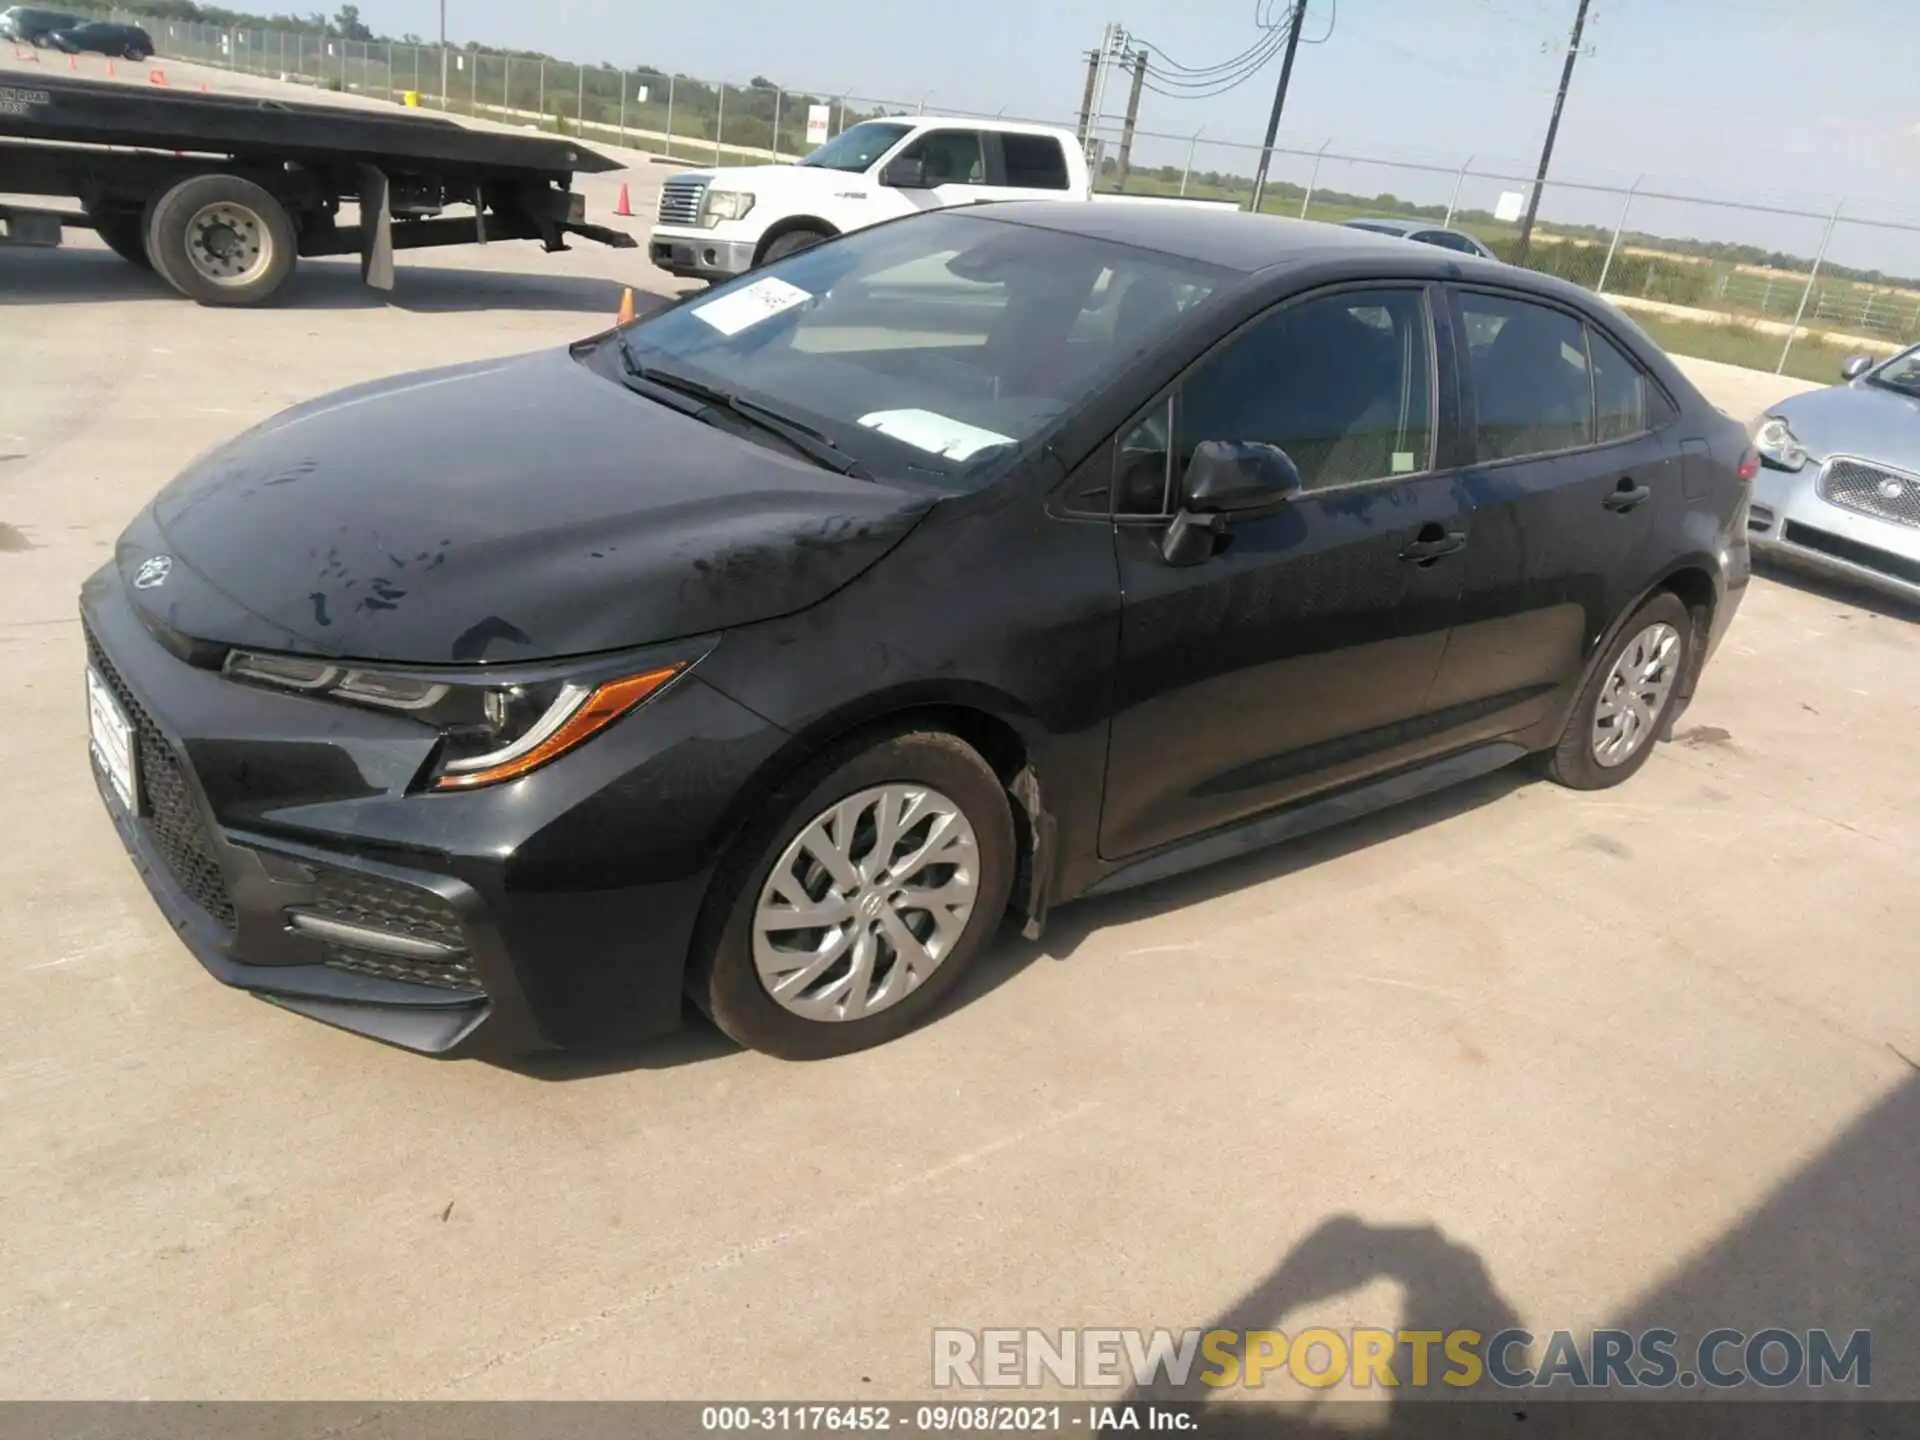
x,y
971,1419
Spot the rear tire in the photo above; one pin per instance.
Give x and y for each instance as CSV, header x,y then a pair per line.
x,y
221,240
967,828
1624,705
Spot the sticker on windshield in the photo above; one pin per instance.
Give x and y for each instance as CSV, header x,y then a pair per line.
x,y
749,305
940,434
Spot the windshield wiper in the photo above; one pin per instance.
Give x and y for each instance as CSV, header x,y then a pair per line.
x,y
801,437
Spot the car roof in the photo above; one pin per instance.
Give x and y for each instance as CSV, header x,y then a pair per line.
x,y
1230,239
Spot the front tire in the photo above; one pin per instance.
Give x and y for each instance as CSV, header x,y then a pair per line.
x,y
844,921
1624,705
221,240
792,243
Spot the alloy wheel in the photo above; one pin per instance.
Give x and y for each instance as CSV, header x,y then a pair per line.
x,y
866,902
1635,693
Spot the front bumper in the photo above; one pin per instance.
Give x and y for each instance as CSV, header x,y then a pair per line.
x,y
1790,519
281,838
700,255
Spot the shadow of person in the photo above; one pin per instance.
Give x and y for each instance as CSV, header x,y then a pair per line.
x,y
1445,1287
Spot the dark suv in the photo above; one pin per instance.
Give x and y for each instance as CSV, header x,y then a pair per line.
x,y
98,37
773,649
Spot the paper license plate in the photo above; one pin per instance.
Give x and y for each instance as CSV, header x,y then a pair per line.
x,y
111,735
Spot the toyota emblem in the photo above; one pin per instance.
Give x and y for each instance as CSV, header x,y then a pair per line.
x,y
153,572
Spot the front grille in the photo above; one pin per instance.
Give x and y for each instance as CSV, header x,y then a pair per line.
x,y
1869,557
680,202
1872,490
381,904
169,814
455,973
376,903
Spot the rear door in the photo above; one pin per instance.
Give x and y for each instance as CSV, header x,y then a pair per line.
x,y
1299,655
1570,469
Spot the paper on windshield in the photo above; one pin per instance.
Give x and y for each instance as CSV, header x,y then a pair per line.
x,y
739,309
939,434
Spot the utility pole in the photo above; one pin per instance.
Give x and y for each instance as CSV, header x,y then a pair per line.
x,y
1280,100
443,54
1133,116
1553,128
1086,99
1110,40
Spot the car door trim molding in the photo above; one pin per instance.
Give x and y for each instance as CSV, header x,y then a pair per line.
x,y
1274,827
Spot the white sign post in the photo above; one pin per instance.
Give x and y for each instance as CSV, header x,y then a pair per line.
x,y
640,95
1510,205
817,117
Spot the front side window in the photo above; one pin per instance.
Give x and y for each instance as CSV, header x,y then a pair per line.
x,y
1529,377
856,148
1034,162
950,157
1342,383
1619,390
934,344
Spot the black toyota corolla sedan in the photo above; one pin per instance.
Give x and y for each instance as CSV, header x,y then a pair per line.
x,y
775,649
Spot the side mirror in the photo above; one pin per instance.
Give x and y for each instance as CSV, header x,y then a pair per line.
x,y
1224,478
1229,475
1854,366
906,174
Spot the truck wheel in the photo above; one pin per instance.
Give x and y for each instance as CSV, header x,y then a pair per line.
x,y
792,243
221,240
125,233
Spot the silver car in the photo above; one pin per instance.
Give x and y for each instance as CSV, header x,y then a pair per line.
x,y
1839,481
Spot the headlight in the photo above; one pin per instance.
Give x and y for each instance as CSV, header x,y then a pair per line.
x,y
491,732
1777,445
725,205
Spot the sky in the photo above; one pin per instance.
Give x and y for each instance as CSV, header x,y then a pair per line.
x,y
1792,103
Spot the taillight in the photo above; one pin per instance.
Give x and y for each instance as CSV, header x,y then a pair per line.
x,y
1749,465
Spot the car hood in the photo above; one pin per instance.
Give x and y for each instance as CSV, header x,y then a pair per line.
x,y
1858,419
509,510
777,179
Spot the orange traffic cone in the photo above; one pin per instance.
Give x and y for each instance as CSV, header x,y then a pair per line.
x,y
623,206
72,63
626,306
110,70
157,77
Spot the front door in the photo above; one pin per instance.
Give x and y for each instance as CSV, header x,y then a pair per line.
x,y
1570,473
1300,654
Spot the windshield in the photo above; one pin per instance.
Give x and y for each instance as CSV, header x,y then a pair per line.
x,y
933,344
857,148
1901,373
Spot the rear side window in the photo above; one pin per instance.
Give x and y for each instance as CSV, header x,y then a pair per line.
x,y
1530,378
1620,390
1034,162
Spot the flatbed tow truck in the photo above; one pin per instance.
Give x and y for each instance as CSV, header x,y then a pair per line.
x,y
220,193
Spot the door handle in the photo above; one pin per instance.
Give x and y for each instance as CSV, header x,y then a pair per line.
x,y
1433,543
1626,496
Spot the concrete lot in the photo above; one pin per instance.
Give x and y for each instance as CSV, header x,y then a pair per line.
x,y
1643,1057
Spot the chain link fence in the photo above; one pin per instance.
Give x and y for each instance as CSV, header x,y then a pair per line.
x,y
1774,282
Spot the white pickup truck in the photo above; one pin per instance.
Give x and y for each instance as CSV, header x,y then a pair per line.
x,y
715,224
